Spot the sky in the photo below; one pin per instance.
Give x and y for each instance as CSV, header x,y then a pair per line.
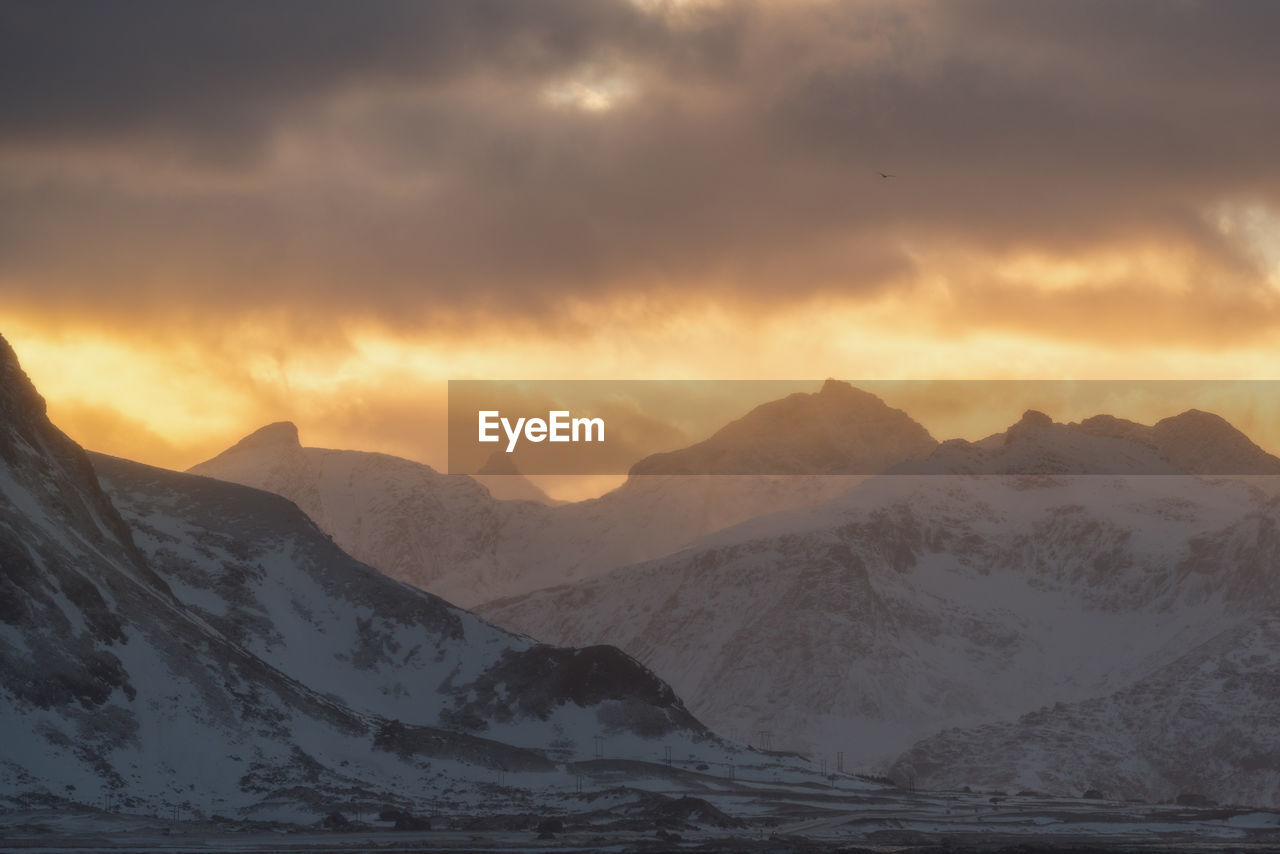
x,y
218,215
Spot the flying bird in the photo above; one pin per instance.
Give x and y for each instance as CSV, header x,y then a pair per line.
x,y
887,175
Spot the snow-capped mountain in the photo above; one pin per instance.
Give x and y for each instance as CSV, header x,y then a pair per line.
x,y
175,639
255,568
449,535
837,430
1193,442
911,605
439,532
864,615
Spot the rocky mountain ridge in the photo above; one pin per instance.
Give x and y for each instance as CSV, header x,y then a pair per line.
x,y
172,640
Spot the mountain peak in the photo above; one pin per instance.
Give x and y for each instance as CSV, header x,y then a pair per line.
x,y
1198,418
839,429
1194,442
277,434
1030,427
839,392
1035,418
1202,442
834,387
48,478
18,396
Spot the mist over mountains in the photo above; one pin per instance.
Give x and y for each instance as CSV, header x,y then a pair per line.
x,y
1192,442
838,430
985,614
450,535
1065,567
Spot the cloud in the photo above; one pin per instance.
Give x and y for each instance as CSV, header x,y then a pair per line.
x,y
412,164
116,432
218,77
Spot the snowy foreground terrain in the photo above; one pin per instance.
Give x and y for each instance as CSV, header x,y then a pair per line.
x,y
189,664
648,808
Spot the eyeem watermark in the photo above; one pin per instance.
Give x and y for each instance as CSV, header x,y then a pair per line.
x,y
558,426
893,427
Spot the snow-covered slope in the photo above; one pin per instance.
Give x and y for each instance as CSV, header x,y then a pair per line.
x,y
441,533
108,683
176,639
1203,725
256,569
448,535
914,604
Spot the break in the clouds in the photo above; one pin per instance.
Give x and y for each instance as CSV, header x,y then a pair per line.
x,y
413,163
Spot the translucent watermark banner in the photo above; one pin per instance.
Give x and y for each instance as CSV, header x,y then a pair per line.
x,y
808,427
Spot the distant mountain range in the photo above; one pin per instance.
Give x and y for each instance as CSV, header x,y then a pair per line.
x,y
991,619
450,535
454,537
838,430
1194,442
1053,618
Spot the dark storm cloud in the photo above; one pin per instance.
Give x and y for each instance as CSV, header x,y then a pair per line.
x,y
741,156
1062,121
219,74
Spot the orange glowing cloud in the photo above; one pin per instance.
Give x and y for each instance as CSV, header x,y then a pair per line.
x,y
329,232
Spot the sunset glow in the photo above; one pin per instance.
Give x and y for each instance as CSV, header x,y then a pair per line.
x,y
634,190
